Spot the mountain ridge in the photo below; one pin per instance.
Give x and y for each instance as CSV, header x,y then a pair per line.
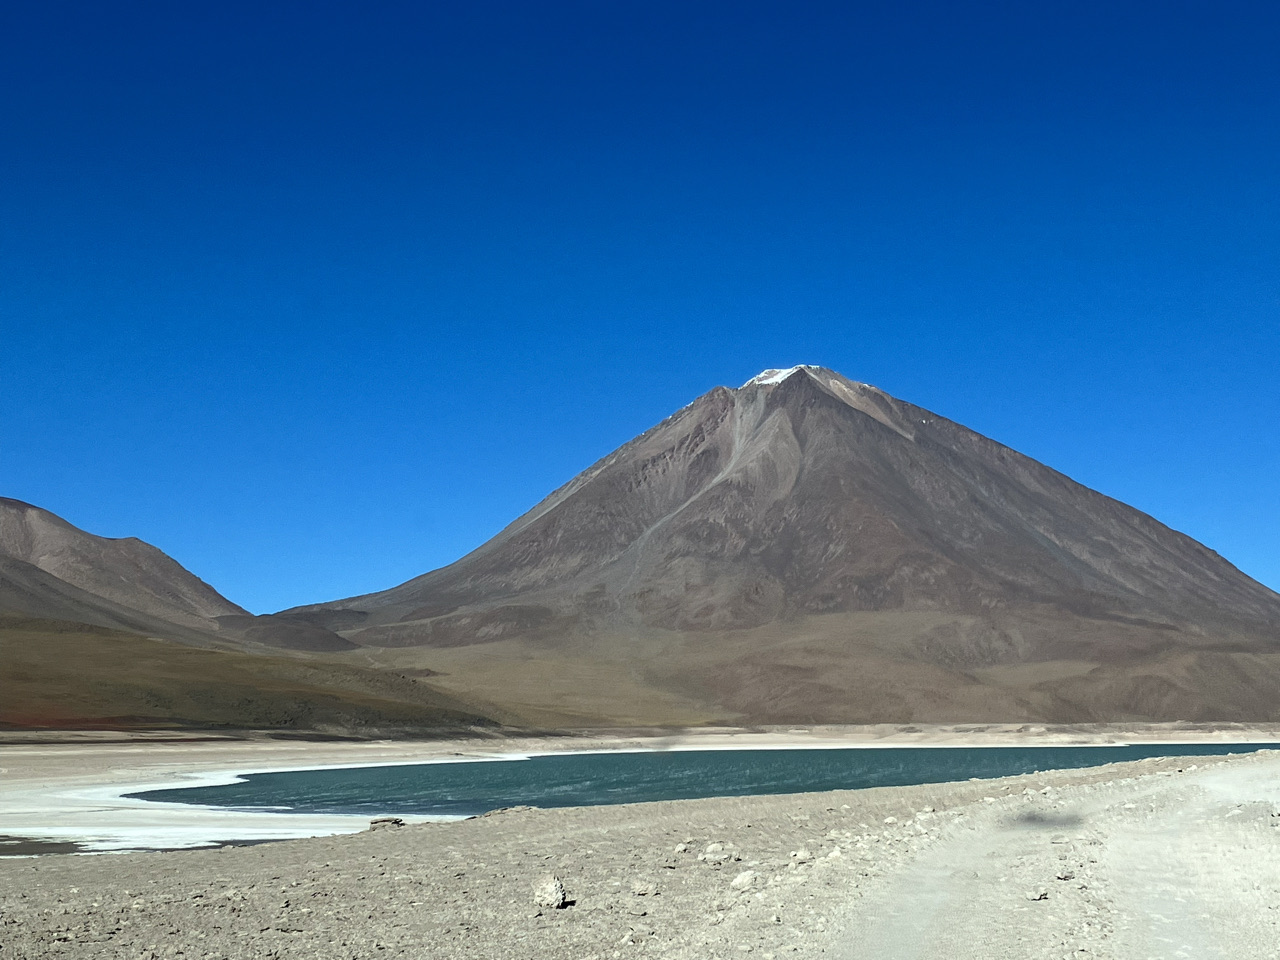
x,y
112,632
124,570
803,548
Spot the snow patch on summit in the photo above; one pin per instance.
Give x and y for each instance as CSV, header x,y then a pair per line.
x,y
859,396
769,377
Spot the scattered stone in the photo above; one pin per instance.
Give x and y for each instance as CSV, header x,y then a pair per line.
x,y
1040,894
644,888
716,852
504,810
682,848
383,823
1066,875
801,856
549,892
743,880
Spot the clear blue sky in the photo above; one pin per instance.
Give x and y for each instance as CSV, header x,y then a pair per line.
x,y
318,296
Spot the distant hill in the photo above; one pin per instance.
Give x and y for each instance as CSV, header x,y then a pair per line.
x,y
52,569
808,548
103,632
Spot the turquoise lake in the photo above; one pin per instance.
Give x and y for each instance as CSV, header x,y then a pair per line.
x,y
564,780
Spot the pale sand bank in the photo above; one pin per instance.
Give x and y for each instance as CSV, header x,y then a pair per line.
x,y
72,791
1157,858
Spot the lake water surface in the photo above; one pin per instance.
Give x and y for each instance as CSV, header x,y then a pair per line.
x,y
469,788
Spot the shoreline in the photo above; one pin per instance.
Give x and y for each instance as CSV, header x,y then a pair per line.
x,y
76,791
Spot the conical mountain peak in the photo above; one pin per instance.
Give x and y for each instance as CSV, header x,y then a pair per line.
x,y
863,397
819,374
898,549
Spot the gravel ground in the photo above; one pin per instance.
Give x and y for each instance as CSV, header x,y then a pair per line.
x,y
1138,860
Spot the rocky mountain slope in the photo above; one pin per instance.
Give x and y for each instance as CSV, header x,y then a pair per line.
x,y
806,547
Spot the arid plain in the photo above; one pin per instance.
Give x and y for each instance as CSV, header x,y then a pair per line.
x,y
1158,858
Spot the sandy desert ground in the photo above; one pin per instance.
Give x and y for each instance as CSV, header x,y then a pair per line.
x,y
1159,858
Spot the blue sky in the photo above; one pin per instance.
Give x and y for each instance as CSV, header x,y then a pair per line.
x,y
318,296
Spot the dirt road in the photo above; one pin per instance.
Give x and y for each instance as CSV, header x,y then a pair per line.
x,y
1184,866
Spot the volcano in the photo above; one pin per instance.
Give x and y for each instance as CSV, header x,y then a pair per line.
x,y
807,548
